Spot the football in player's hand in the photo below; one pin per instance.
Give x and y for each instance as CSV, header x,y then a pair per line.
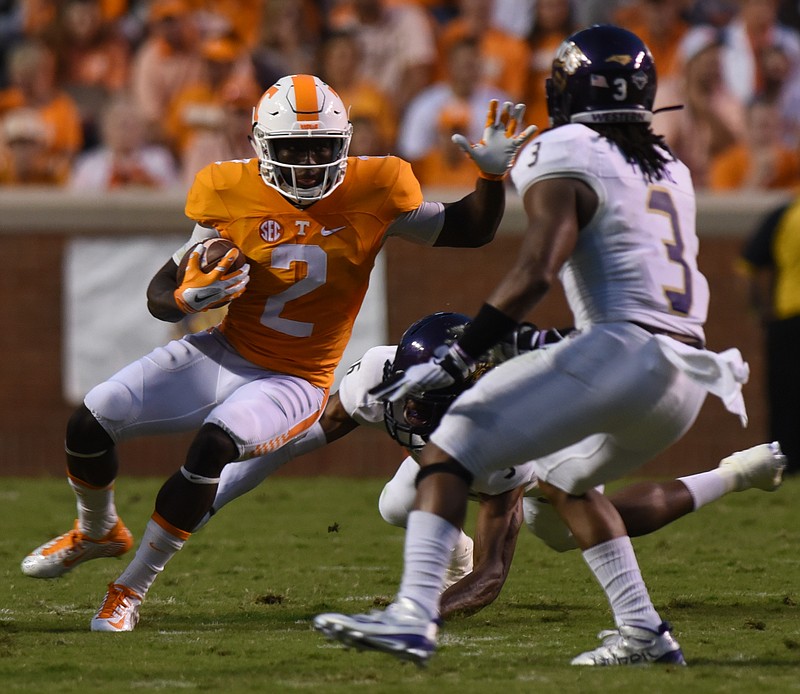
x,y
214,250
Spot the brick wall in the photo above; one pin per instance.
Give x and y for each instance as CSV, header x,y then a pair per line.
x,y
420,280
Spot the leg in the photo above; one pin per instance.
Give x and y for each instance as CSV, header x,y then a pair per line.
x,y
407,628
641,636
149,396
98,531
182,501
187,496
396,503
243,476
648,506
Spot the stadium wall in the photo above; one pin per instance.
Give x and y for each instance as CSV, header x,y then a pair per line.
x,y
37,225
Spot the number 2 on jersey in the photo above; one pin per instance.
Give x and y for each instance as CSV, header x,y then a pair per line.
x,y
317,272
659,201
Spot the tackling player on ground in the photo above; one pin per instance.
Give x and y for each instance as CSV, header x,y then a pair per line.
x,y
507,498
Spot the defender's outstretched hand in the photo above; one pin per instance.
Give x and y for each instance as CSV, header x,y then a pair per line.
x,y
495,153
201,291
453,366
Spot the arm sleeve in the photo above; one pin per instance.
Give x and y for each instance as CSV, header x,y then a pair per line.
x,y
422,225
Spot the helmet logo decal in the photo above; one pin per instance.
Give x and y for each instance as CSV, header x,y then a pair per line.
x,y
639,79
269,230
621,59
570,57
598,81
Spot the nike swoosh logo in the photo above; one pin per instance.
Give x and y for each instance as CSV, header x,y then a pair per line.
x,y
118,624
327,232
76,557
157,549
203,297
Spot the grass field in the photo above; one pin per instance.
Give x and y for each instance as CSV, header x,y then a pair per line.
x,y
232,612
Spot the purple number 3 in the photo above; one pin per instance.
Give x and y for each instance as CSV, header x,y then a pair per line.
x,y
660,202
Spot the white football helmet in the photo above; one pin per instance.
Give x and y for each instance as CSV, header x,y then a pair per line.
x,y
300,106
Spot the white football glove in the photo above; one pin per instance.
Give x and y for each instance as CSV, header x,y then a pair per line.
x,y
495,153
453,366
201,291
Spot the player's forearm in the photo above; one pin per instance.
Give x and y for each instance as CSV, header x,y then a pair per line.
x,y
161,296
473,220
473,592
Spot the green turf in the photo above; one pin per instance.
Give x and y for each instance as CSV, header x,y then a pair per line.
x,y
232,611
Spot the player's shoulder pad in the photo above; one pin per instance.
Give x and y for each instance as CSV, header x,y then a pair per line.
x,y
386,183
382,172
205,201
568,149
223,175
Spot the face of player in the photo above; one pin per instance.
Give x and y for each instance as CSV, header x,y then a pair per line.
x,y
418,413
306,153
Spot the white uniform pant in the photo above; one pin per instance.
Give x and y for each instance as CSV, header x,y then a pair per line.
x,y
588,410
201,379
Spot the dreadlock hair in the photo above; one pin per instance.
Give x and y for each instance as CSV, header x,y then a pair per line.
x,y
640,146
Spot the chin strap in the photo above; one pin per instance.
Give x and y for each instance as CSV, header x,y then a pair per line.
x,y
675,107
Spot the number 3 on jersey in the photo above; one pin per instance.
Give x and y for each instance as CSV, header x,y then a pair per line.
x,y
316,262
659,201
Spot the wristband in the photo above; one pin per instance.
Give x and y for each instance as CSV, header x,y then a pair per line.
x,y
488,328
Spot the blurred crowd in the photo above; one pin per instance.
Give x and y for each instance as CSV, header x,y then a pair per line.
x,y
105,94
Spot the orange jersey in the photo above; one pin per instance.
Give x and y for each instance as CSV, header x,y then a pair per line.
x,y
309,268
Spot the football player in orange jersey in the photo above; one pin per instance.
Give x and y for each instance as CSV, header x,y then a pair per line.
x,y
310,221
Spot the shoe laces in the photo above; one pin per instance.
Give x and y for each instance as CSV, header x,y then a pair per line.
x,y
70,541
610,637
116,598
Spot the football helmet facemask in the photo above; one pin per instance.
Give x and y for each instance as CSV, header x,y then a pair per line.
x,y
297,112
411,421
601,75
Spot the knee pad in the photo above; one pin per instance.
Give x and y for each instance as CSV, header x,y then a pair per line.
x,y
110,400
395,504
544,522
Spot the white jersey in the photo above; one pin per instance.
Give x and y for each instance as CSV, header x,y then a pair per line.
x,y
637,259
364,374
366,410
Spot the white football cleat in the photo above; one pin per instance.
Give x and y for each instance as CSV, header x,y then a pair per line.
x,y
460,561
119,611
403,630
759,467
634,646
65,552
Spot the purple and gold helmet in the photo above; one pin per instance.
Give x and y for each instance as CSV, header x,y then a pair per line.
x,y
411,420
600,76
